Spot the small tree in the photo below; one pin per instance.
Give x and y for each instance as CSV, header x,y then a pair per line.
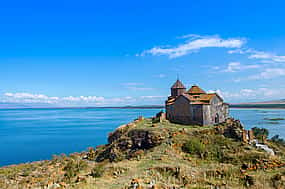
x,y
260,133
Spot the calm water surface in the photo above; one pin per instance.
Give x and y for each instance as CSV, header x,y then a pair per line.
x,y
37,134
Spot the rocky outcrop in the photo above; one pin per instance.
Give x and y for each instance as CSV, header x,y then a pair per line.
x,y
231,129
128,142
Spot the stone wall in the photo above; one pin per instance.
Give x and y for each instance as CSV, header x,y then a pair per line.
x,y
184,113
177,92
216,112
207,115
179,112
197,114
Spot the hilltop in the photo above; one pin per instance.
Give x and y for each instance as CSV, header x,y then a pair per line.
x,y
154,153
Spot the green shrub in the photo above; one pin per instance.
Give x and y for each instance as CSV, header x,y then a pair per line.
x,y
73,167
70,169
155,120
259,133
91,154
194,146
278,140
248,180
252,157
97,171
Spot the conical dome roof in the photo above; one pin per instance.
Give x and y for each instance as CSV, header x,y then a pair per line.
x,y
195,90
178,85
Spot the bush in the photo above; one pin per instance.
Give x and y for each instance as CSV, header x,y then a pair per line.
x,y
278,140
70,170
253,157
155,120
259,133
194,146
73,167
97,171
248,180
91,154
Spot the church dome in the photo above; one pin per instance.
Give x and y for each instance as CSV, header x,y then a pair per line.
x,y
195,90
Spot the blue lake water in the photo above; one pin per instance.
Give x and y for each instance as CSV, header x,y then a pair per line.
x,y
36,134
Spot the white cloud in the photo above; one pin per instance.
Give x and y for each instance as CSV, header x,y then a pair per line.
x,y
41,98
237,51
246,94
191,36
265,57
195,44
79,100
30,96
218,91
268,74
136,87
84,98
152,97
237,66
132,84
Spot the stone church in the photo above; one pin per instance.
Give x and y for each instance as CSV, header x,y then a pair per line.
x,y
195,106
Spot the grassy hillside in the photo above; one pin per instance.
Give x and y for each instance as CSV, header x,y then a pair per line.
x,y
152,154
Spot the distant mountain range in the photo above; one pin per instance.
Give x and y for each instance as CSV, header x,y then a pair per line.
x,y
282,101
265,104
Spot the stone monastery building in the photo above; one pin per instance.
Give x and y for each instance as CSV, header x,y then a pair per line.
x,y
195,106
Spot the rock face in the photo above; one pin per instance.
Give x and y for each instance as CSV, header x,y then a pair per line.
x,y
128,142
231,129
234,129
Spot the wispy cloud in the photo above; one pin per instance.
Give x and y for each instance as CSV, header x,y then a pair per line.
x,y
246,94
194,44
268,74
152,97
136,87
237,66
265,57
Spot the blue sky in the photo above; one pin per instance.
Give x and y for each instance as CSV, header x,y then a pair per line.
x,y
71,53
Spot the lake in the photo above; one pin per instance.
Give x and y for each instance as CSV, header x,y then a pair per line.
x,y
36,134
